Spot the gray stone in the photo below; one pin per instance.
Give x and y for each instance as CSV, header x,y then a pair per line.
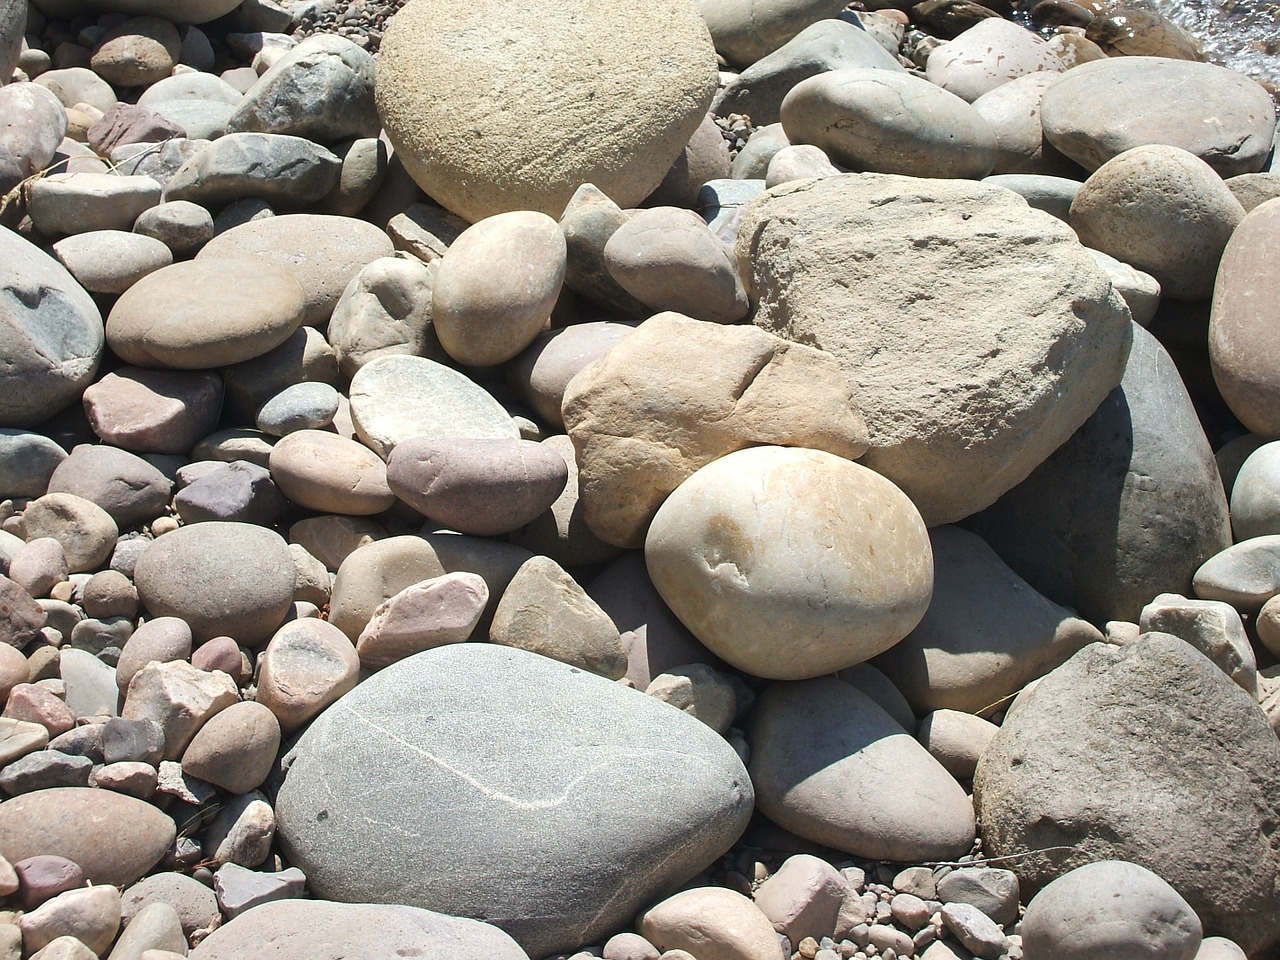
x,y
182,226
542,371
752,160
882,690
1140,290
705,157
590,218
365,162
992,890
242,831
159,161
956,740
239,492
424,230
744,31
1255,495
721,203
1245,575
193,902
385,310
800,162
1053,195
284,170
155,927
536,802
65,203
110,261
45,769
975,930
1187,784
302,406
1212,627
239,889
128,488
35,123
27,461
81,741
132,741
91,684
1254,189
1013,111
13,18
303,358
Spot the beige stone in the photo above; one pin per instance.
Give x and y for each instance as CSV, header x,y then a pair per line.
x,y
90,914
956,740
719,923
307,665
180,698
332,538
989,54
86,531
441,610
235,749
323,471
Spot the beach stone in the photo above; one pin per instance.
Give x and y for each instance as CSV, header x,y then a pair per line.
x,y
705,157
325,472
1140,290
1254,189
235,749
39,566
934,440
284,170
155,927
828,44
133,836
589,220
44,769
1242,345
220,653
721,924
138,52
424,229
589,878
1245,575
1162,210
641,118
1053,195
52,334
629,946
128,488
95,635
129,123
735,571
66,203
238,491
541,372
332,538
86,531
888,122
257,306
35,123
480,487
992,890
985,635
303,406
234,444
1219,948
641,423
1110,909
182,226
43,877
21,618
802,898
193,902
817,749
180,698
1013,111
437,611
496,286
90,914
13,671
287,930
1143,451
745,31
1255,495
1212,627
239,889
35,703
64,948
27,461
976,931
136,779
987,55
384,415
204,120
324,253
305,357
159,161
753,159
365,162
223,579
111,261
722,202
385,310
160,640
321,89
800,162
307,665
242,831
1120,802
881,689
698,690
956,740
545,611
1099,110
90,682
75,85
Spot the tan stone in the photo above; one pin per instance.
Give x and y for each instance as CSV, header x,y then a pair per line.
x,y
180,698
90,914
441,610
307,665
716,922
235,749
326,472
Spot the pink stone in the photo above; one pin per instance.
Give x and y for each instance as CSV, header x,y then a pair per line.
x,y
154,411
37,705
425,615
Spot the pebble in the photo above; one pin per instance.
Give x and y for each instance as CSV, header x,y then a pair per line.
x,y
699,690
543,370
307,665
242,831
44,876
161,640
180,698
718,923
303,406
329,473
138,52
1245,575
802,898
155,927
130,490
422,616
111,261
90,914
38,566
192,901
182,226
992,890
239,889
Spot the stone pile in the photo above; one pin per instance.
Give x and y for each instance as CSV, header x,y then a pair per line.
x,y
718,480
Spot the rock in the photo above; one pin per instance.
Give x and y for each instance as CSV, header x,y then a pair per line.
x,y
282,170
125,740
90,914
18,738
802,898
741,575
1013,111
74,85
1141,291
1254,189
586,875
44,769
43,876
138,52
826,45
223,579
385,310
162,640
304,357
985,635
705,157
21,618
322,90
480,487
51,822
1145,796
987,55
588,221
325,472
111,261
992,890
882,690
242,831
38,566
365,162
64,948
721,924
1099,110
173,782
1219,948
974,929
699,690
128,123
235,749
35,124
801,162
1241,350
642,422
1053,195
37,704
180,698
154,927
1110,909
86,531
629,946
950,460
1245,575
889,122
90,682
818,749
224,654
1255,495
476,159
429,614
239,492
51,330
384,414
193,902
745,31
128,488
134,778
159,161
722,202
1212,627
955,740
184,227
307,665
424,230
64,203
239,889
288,929
541,373
545,611
27,461
331,539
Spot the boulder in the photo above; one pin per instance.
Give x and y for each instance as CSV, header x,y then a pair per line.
x,y
36,122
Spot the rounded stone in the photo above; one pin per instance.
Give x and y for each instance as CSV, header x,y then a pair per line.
x,y
130,489
223,579
720,924
307,665
989,54
162,639
303,406
138,52
235,749
201,314
1013,111
329,473
86,531
111,261
791,563
385,310
1255,497
27,461
195,904
541,373
496,286
489,115
35,124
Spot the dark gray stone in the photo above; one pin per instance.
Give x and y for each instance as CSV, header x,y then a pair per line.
x,y
45,769
273,167
27,461
137,740
589,220
561,803
1147,753
83,741
131,490
239,491
1126,509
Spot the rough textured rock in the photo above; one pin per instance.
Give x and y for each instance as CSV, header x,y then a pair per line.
x,y
522,781
642,420
1187,784
953,422
285,171
1129,507
180,698
602,99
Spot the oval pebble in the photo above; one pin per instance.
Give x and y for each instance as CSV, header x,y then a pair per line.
x,y
303,406
307,665
326,472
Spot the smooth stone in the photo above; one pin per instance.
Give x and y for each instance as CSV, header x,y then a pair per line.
x,y
37,703
138,52
190,86
111,261
128,488
1255,495
331,474
1245,575
20,738
720,924
479,487
642,420
385,310
180,698
235,749
36,122
324,253
1140,290
1186,784
153,411
307,665
589,219
800,162
818,752
1212,627
52,822
705,157
283,170
1110,910
159,161
155,927
1013,111
976,931
1099,110
91,684
14,670
242,831
21,618
986,633
160,639
1243,346
52,334
305,357
496,286
43,876
135,779
745,31
90,915
221,654
753,160
303,406
38,566
927,388
478,160
889,122
802,898
43,770
73,85
239,889
132,741
988,55
193,902
422,616
741,574
86,531
67,203
1219,948
27,461
587,876
365,162
956,740
332,538
424,229
199,314
700,691
541,372
722,202
182,226
223,579
1053,195
129,123
882,690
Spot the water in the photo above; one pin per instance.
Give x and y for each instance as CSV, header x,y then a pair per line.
x,y
1241,34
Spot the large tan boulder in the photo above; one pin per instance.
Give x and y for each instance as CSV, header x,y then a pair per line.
x,y
491,113
978,333
643,418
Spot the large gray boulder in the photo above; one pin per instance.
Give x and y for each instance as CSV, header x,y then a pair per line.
x,y
490,782
1126,509
1147,753
51,334
978,333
